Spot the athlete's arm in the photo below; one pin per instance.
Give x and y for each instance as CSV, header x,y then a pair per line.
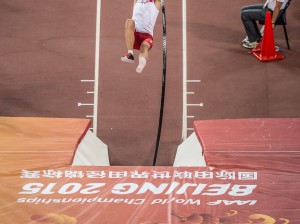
x,y
158,4
276,11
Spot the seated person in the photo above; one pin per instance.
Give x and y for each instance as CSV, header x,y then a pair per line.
x,y
253,13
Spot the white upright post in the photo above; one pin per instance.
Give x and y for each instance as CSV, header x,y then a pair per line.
x,y
97,57
184,72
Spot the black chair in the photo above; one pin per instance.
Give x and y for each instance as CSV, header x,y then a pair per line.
x,y
281,21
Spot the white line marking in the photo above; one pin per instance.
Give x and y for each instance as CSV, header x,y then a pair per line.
x,y
190,93
195,105
86,80
193,80
85,104
190,116
90,92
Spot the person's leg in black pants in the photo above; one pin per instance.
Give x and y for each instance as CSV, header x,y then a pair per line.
x,y
250,15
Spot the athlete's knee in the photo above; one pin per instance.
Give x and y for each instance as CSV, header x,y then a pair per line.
x,y
145,46
129,24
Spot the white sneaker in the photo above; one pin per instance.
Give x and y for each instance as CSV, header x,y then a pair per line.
x,y
246,40
250,45
142,64
277,48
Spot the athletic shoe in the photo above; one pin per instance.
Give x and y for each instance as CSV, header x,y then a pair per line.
x,y
250,45
128,58
277,48
142,64
246,40
256,49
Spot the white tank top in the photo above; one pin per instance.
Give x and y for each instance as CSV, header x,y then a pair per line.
x,y
144,15
272,3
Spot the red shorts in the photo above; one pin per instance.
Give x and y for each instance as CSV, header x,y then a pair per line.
x,y
139,38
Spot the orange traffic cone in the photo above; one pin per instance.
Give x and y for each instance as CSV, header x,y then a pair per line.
x,y
266,50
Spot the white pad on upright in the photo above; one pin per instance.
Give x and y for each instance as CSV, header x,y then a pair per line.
x,y
189,153
91,152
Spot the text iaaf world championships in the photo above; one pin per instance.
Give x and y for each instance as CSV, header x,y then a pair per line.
x,y
132,201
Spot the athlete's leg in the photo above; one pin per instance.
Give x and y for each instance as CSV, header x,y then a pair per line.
x,y
144,49
129,38
143,57
129,33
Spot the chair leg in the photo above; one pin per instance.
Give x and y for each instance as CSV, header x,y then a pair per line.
x,y
286,37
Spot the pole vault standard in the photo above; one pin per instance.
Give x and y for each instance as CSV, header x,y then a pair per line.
x,y
94,116
164,73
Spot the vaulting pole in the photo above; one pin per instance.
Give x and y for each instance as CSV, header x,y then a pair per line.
x,y
164,73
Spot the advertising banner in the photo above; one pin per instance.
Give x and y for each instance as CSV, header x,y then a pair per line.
x,y
149,195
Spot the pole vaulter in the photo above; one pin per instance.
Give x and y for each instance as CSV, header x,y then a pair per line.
x,y
139,36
